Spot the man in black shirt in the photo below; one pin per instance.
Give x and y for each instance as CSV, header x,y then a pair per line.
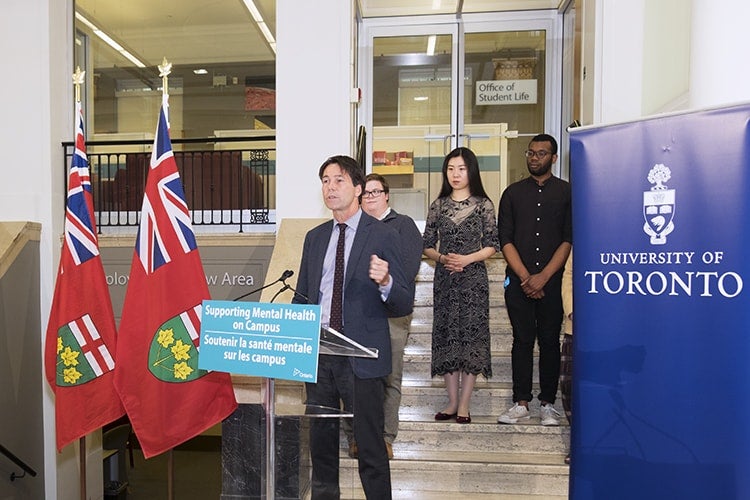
x,y
534,223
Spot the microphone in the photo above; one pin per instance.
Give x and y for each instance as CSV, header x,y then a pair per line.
x,y
290,287
286,274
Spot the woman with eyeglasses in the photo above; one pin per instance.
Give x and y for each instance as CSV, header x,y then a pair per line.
x,y
460,234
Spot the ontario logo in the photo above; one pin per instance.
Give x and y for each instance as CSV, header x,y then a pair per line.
x,y
659,205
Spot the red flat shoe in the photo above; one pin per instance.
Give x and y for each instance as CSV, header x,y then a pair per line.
x,y
445,416
463,420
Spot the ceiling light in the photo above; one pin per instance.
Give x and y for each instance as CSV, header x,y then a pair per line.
x,y
431,41
421,98
200,71
110,41
262,26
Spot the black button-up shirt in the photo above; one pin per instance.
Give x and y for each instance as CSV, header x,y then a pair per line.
x,y
535,219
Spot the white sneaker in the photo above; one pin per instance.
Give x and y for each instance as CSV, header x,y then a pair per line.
x,y
516,413
549,415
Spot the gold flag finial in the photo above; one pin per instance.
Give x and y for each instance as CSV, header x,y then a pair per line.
x,y
165,68
78,81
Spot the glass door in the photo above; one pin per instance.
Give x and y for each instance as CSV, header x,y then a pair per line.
x,y
487,82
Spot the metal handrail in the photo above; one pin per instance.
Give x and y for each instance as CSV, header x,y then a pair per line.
x,y
192,140
18,462
223,187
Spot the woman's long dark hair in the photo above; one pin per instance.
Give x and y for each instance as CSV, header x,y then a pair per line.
x,y
472,166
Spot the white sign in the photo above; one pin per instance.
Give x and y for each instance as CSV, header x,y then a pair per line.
x,y
506,92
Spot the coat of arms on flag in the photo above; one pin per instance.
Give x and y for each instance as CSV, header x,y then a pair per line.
x,y
82,355
173,356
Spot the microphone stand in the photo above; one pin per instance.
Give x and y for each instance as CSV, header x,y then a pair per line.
x,y
286,287
296,293
280,280
281,290
269,402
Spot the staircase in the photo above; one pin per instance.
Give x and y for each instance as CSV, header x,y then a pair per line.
x,y
484,459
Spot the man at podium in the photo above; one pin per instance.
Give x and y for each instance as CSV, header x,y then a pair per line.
x,y
351,266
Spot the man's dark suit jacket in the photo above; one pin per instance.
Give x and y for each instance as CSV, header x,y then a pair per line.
x,y
365,314
411,241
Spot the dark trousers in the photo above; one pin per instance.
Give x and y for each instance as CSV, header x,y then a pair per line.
x,y
364,398
535,320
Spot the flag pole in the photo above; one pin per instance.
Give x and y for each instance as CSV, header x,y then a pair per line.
x,y
170,474
77,82
78,77
82,459
165,68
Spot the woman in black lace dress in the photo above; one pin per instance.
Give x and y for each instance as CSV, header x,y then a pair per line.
x,y
460,234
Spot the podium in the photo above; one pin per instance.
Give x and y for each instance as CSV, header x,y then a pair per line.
x,y
332,343
337,344
268,341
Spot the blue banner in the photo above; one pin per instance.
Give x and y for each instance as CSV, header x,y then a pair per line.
x,y
661,363
278,341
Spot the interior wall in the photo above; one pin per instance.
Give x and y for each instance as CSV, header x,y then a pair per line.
x,y
719,73
642,58
666,55
621,66
588,12
636,58
37,40
314,119
21,415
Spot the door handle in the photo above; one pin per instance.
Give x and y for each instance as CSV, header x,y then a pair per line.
x,y
468,138
440,137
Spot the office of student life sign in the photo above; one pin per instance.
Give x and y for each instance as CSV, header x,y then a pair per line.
x,y
499,92
279,341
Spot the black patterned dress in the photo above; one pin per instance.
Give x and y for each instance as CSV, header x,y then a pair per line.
x,y
461,311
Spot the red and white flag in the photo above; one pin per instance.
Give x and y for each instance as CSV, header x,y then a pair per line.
x,y
167,397
81,334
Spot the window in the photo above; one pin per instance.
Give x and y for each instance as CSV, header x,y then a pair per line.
x,y
223,73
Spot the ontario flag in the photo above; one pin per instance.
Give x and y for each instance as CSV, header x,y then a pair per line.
x,y
81,335
167,397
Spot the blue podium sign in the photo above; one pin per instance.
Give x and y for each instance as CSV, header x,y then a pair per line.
x,y
279,341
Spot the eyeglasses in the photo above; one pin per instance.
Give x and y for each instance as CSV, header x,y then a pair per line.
x,y
539,154
373,194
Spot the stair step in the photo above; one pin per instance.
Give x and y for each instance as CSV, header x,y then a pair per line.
x,y
484,434
422,399
417,366
423,292
498,314
489,475
420,336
